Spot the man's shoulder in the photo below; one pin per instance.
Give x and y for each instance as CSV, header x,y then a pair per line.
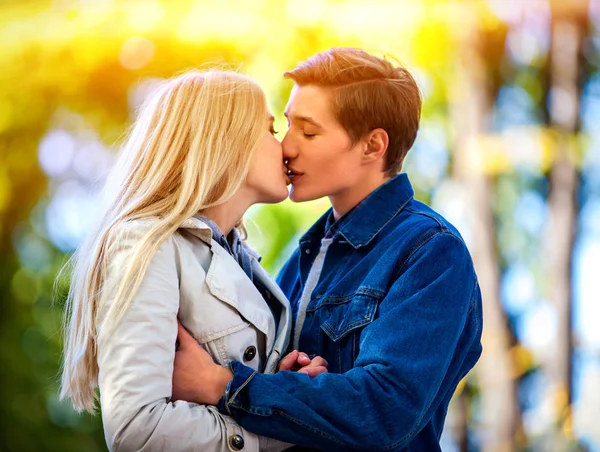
x,y
422,220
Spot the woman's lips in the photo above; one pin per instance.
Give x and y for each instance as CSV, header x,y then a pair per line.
x,y
286,173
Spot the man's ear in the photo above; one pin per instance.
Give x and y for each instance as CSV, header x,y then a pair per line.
x,y
377,142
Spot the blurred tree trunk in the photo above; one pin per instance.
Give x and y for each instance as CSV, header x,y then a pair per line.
x,y
461,410
471,104
565,70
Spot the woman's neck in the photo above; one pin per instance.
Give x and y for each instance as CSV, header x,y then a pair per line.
x,y
228,214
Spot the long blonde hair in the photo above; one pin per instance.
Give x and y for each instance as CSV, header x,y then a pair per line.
x,y
189,149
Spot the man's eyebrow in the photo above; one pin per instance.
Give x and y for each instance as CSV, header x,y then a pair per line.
x,y
303,118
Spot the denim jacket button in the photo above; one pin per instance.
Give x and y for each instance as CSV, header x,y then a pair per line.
x,y
307,251
250,353
237,442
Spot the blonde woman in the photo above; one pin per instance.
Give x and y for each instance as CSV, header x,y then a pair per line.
x,y
168,245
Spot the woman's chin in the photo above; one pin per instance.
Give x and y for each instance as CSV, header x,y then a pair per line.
x,y
274,197
283,196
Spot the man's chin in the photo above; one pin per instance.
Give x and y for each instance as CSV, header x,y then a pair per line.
x,y
303,196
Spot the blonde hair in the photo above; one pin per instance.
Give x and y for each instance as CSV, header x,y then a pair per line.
x,y
189,149
367,93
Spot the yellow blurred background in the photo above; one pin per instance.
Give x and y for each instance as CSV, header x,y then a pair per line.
x,y
508,150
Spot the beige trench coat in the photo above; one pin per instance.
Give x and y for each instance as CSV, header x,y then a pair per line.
x,y
191,277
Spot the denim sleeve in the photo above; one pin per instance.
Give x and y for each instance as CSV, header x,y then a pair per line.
x,y
401,375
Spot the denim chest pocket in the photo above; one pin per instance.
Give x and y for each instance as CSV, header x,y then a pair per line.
x,y
342,320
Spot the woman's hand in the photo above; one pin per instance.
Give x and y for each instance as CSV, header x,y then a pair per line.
x,y
300,362
196,377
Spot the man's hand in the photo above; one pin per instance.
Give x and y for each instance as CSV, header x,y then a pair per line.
x,y
196,377
300,362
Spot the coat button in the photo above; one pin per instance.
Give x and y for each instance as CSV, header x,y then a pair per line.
x,y
250,353
237,442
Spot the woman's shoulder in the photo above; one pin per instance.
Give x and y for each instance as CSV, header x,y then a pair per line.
x,y
128,234
192,236
140,227
133,228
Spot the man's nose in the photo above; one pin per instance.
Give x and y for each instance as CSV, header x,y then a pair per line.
x,y
290,149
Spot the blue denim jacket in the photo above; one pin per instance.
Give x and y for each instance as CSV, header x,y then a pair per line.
x,y
396,313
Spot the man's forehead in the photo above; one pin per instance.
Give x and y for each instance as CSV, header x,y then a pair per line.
x,y
307,100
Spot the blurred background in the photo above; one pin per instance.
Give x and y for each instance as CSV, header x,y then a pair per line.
x,y
508,150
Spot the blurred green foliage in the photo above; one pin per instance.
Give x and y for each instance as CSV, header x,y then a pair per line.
x,y
75,66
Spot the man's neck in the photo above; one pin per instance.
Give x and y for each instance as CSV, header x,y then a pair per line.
x,y
346,200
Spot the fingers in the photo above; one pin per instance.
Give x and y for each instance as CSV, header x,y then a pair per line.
x,y
317,361
183,337
313,371
295,360
303,359
301,362
289,361
316,366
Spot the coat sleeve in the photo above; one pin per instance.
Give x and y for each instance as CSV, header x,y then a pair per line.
x,y
136,369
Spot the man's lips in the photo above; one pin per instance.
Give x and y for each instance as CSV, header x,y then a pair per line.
x,y
292,173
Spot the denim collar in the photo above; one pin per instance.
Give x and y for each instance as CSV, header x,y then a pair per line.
x,y
363,222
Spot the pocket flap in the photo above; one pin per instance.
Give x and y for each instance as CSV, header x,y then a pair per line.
x,y
357,312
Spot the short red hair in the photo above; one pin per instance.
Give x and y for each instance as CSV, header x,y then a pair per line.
x,y
367,93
